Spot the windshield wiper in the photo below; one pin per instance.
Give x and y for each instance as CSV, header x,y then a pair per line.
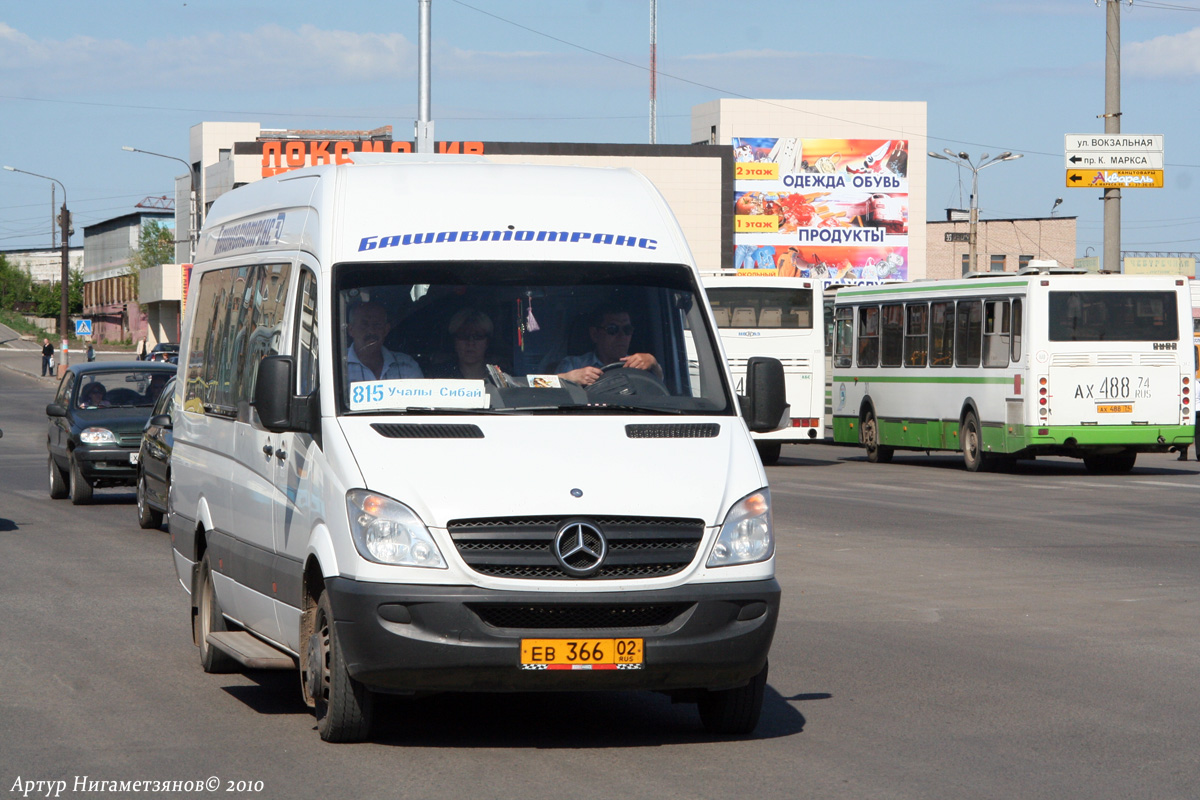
x,y
591,408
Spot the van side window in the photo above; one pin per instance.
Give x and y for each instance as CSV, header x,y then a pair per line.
x,y
239,317
306,335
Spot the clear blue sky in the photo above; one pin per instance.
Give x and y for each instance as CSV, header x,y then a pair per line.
x,y
80,78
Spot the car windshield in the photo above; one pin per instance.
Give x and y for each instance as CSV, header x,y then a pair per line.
x,y
471,337
119,388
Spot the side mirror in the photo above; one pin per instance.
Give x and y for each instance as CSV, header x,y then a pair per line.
x,y
160,421
55,410
765,403
273,393
278,409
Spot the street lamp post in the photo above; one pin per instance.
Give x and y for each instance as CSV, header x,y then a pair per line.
x,y
194,218
64,221
964,160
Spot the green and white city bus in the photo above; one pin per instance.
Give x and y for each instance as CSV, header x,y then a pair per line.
x,y
1017,365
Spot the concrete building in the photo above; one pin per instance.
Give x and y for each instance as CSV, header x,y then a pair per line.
x,y
1002,245
44,265
110,298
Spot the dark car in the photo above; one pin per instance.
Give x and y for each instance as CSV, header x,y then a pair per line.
x,y
163,352
154,461
95,423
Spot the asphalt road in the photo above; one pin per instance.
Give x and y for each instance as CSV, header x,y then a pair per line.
x,y
943,635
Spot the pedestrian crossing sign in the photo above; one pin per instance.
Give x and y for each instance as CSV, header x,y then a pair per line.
x,y
83,327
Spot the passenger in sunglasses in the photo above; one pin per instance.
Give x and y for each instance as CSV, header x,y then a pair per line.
x,y
611,332
471,331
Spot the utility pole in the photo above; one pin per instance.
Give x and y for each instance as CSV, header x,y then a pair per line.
x,y
1112,124
653,71
424,125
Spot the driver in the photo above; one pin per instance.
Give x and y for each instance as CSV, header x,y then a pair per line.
x,y
611,332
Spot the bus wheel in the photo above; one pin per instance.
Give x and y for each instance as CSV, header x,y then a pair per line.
x,y
972,444
1110,464
876,453
768,452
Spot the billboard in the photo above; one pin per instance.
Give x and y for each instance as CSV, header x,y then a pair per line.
x,y
835,210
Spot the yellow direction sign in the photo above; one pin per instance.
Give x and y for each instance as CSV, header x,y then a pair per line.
x,y
1115,178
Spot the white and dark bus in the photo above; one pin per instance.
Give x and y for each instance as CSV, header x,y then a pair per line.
x,y
1013,366
780,318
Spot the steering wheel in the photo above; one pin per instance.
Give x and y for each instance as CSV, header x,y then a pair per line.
x,y
620,383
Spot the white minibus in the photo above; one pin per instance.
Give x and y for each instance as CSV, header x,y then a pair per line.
x,y
780,318
1009,366
451,425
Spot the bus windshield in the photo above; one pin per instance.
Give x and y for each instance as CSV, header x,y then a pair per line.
x,y
478,337
761,307
1113,317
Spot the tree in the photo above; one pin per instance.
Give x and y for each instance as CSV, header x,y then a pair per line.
x,y
156,245
15,284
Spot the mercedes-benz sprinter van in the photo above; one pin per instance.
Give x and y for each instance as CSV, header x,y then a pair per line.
x,y
451,425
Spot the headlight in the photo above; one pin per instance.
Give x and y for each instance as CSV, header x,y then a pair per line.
x,y
747,535
390,532
98,436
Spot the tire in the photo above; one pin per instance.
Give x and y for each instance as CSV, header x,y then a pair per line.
x,y
876,453
768,452
58,482
147,517
342,705
734,711
79,488
208,620
1112,464
972,444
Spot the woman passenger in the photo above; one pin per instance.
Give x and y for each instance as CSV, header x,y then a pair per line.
x,y
472,332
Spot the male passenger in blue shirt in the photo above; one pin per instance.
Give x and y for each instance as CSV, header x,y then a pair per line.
x,y
368,359
611,333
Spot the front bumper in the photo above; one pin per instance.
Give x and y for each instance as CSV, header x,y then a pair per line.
x,y
422,638
107,465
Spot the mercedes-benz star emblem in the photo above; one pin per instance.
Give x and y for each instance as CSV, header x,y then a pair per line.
x,y
580,548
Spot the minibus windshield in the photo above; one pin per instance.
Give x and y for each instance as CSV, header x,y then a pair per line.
x,y
550,337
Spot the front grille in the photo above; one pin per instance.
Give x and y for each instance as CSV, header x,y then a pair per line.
x,y
578,617
638,547
130,439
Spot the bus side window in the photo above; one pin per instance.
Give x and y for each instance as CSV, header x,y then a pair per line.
x,y
891,343
1016,330
995,333
941,334
916,335
968,330
844,330
868,336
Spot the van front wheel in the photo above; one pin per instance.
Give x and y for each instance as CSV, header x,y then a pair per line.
x,y
209,619
342,705
734,711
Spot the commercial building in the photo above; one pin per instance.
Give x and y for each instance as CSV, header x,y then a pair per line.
x,y
1001,245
